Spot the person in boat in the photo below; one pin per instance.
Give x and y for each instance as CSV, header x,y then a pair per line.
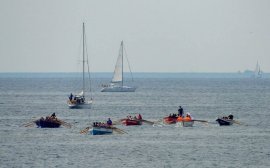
x,y
188,117
49,118
139,117
180,111
225,118
53,116
180,118
230,117
71,96
109,122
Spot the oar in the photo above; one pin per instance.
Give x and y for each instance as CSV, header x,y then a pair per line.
x,y
118,122
158,121
237,122
28,124
84,131
201,121
68,125
147,122
120,131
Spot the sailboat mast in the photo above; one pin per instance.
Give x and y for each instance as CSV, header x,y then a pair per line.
x,y
83,55
122,44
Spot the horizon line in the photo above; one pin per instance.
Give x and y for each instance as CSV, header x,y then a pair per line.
x,y
237,72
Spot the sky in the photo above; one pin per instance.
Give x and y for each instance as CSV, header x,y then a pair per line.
x,y
159,35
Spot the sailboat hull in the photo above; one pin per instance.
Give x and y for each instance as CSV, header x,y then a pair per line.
x,y
118,89
86,105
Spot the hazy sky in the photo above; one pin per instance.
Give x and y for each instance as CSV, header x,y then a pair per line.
x,y
160,35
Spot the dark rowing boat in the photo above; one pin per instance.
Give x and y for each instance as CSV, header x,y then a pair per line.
x,y
224,121
49,122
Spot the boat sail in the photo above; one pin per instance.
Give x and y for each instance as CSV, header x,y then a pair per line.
x,y
257,71
117,83
78,100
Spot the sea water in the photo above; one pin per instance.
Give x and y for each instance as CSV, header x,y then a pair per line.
x,y
29,97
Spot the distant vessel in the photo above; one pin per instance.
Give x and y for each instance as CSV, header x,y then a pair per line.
x,y
78,101
257,71
117,83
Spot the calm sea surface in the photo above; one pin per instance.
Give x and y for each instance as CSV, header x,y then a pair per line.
x,y
205,145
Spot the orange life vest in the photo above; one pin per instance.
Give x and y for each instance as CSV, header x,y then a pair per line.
x,y
179,119
187,118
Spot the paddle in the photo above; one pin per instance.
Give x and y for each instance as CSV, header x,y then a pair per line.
x,y
201,121
30,123
84,131
147,122
237,122
120,131
68,125
117,122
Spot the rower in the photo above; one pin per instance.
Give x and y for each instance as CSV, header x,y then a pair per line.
x,y
180,111
188,117
230,117
139,117
71,96
109,122
179,118
53,116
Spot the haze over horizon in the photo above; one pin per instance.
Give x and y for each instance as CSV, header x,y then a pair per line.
x,y
160,36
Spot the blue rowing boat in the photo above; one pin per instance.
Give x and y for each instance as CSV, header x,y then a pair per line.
x,y
101,130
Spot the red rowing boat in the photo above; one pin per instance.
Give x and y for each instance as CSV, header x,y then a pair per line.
x,y
169,120
128,122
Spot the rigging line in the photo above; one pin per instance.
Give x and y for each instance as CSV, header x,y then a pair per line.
x,y
128,63
77,65
88,69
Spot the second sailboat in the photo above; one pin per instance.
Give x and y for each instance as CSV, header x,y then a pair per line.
x,y
117,83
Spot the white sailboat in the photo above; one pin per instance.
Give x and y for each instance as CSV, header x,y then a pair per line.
x,y
257,71
78,100
117,83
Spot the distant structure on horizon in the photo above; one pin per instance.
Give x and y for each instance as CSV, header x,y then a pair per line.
x,y
257,73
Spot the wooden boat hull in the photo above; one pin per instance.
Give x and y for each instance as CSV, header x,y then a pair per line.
x,y
48,123
187,123
169,120
129,122
224,122
100,130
